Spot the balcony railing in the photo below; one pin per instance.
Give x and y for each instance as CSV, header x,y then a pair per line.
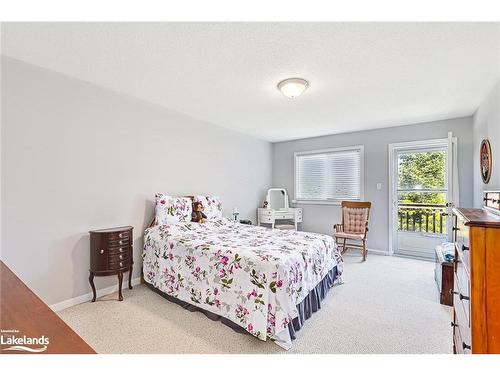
x,y
422,218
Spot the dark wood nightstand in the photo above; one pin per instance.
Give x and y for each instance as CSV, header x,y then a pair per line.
x,y
111,254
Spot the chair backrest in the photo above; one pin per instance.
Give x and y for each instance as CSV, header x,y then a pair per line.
x,y
355,216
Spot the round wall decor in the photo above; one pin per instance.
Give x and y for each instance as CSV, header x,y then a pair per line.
x,y
485,160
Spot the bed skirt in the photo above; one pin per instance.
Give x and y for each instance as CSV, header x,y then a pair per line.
x,y
306,308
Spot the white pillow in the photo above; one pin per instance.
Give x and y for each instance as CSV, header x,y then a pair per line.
x,y
212,206
172,209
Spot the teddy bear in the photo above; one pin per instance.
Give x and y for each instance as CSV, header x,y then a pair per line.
x,y
198,216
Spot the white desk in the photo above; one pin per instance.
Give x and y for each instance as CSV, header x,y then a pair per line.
x,y
269,216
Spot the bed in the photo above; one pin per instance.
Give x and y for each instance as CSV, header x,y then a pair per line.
x,y
263,281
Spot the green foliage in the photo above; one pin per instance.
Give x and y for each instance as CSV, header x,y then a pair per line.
x,y
422,170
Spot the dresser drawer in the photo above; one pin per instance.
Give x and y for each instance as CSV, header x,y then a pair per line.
x,y
462,276
461,346
457,341
462,242
462,311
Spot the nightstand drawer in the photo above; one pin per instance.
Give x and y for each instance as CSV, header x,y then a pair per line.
x,y
118,257
119,235
119,242
119,264
119,250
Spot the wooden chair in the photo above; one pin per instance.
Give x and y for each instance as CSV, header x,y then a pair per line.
x,y
354,226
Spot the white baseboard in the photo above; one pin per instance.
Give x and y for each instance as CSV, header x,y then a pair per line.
x,y
378,252
88,297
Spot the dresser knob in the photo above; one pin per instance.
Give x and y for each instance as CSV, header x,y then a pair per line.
x,y
121,242
121,264
465,248
121,256
465,346
121,235
461,296
101,251
121,249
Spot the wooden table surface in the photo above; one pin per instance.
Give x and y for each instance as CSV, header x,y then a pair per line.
x,y
22,313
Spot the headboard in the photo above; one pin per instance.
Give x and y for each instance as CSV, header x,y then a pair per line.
x,y
153,221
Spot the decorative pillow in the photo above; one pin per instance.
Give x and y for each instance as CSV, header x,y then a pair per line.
x,y
212,206
172,209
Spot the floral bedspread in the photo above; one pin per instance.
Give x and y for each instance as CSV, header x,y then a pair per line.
x,y
253,276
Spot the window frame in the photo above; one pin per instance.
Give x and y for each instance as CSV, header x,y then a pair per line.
x,y
335,202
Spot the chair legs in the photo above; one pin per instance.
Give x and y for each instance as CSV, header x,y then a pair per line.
x,y
343,245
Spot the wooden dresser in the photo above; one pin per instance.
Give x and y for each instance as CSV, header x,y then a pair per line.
x,y
476,294
111,254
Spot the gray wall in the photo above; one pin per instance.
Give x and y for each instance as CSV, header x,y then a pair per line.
x,y
487,125
77,157
320,218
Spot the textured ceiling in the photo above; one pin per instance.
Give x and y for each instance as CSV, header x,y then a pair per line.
x,y
362,75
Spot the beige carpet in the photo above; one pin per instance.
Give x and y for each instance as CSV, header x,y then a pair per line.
x,y
387,305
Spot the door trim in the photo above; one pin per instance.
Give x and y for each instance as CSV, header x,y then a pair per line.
x,y
392,147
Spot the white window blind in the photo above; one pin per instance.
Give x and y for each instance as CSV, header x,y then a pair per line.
x,y
329,175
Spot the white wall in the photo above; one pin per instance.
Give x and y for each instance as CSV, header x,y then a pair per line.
x,y
487,125
77,157
320,218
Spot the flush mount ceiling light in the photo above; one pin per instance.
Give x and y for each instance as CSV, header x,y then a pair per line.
x,y
292,87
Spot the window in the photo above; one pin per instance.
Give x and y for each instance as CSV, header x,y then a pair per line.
x,y
329,176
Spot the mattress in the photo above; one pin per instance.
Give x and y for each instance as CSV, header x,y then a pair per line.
x,y
253,276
